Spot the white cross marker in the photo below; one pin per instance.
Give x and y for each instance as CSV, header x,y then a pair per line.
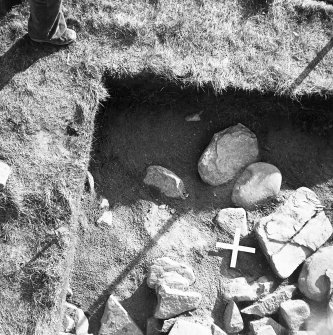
x,y
235,247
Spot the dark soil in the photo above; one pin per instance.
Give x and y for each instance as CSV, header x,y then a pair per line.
x,y
143,123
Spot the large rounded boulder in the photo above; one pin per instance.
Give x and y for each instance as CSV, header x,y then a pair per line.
x,y
312,281
258,183
229,152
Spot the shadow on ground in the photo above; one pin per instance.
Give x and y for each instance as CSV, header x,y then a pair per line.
x,y
143,124
20,56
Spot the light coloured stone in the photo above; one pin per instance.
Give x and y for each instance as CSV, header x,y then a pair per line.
x,y
91,182
228,153
266,330
116,321
239,289
68,324
81,323
5,172
166,181
256,325
258,183
172,302
172,273
312,280
231,218
305,332
106,218
294,313
293,232
104,204
271,303
232,319
182,327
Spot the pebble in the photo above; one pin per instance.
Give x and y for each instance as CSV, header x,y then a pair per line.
x,y
231,218
312,280
228,153
166,181
258,183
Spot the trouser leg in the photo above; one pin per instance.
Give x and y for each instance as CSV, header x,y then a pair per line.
x,y
46,20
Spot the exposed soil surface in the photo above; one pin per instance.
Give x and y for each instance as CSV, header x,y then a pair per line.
x,y
144,124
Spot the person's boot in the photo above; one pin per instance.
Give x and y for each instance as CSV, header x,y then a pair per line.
x,y
68,37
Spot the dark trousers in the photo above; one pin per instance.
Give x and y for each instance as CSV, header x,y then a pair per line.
x,y
46,20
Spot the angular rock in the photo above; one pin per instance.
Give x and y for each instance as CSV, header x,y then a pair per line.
x,y
217,330
293,232
257,325
239,289
5,171
166,181
231,218
312,280
116,321
294,313
106,218
232,319
154,326
266,330
171,273
172,302
271,303
228,153
183,327
258,183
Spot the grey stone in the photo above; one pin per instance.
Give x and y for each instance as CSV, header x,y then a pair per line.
x,y
228,153
256,325
239,289
258,183
293,232
172,302
271,303
5,171
183,327
312,280
231,218
232,319
116,321
217,330
166,181
171,273
294,313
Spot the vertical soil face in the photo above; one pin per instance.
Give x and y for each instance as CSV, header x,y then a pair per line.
x,y
144,124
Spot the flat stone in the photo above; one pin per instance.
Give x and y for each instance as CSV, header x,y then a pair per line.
x,y
312,280
293,232
5,172
154,326
258,183
166,181
232,319
294,313
229,219
271,303
239,289
183,327
116,321
228,153
266,330
257,325
171,273
106,218
172,302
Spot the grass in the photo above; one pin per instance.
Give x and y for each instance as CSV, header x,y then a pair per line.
x,y
49,98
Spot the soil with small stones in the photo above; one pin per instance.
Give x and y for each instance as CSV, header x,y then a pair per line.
x,y
144,124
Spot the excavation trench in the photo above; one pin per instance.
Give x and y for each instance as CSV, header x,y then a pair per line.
x,y
143,123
